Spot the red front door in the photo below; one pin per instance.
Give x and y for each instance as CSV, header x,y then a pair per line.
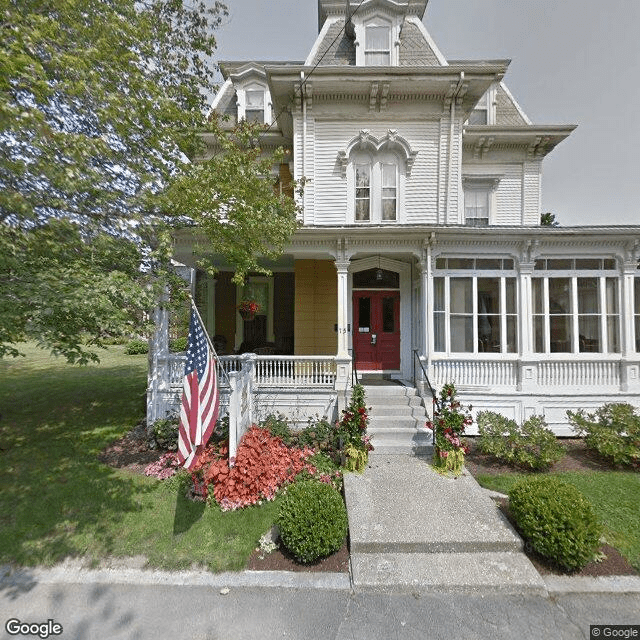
x,y
376,336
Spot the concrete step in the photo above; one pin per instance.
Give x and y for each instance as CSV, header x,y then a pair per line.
x,y
401,448
463,572
390,391
394,401
393,422
380,411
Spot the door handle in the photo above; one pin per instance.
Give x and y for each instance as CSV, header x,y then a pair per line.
x,y
374,338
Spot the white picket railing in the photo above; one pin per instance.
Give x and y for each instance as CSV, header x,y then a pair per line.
x,y
295,371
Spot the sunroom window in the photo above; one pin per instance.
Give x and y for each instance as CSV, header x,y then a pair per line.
x,y
576,314
475,314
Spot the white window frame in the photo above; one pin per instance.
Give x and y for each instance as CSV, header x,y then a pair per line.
x,y
486,184
242,93
376,163
377,20
446,314
603,313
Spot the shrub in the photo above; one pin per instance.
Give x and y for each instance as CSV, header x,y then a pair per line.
x,y
532,446
557,520
278,427
312,520
320,435
165,433
613,432
450,419
262,465
136,347
178,344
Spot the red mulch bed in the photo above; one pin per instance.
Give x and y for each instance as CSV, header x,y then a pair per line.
x,y
578,458
132,452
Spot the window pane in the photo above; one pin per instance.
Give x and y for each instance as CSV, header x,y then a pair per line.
x,y
363,191
538,333
377,59
388,315
461,263
362,209
613,333
462,334
638,333
559,295
478,116
609,264
389,209
510,285
254,116
588,297
538,289
364,313
362,176
611,294
489,314
438,331
512,333
559,264
508,264
461,295
378,38
589,338
637,295
438,294
561,334
441,263
494,264
588,263
255,99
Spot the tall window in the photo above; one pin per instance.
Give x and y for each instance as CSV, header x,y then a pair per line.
x,y
376,192
475,313
389,191
254,108
363,192
377,50
576,314
476,207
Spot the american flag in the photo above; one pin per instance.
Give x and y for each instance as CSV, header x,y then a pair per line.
x,y
200,397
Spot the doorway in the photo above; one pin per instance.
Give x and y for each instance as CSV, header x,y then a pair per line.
x,y
376,337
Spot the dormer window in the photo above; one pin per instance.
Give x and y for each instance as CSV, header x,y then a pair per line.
x,y
484,111
377,50
254,108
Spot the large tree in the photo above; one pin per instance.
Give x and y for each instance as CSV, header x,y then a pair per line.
x,y
101,106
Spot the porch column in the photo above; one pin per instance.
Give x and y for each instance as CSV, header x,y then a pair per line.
x,y
343,308
425,341
629,367
528,373
343,359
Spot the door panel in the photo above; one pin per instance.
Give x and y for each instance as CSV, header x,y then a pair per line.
x,y
376,337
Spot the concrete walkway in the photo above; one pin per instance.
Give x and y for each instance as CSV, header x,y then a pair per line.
x,y
412,529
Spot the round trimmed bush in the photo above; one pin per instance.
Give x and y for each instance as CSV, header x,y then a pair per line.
x,y
312,520
136,347
557,520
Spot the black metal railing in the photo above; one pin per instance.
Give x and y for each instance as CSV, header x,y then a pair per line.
x,y
434,395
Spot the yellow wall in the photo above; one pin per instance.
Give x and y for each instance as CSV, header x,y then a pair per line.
x,y
316,307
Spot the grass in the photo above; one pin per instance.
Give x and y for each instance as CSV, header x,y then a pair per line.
x,y
615,496
57,500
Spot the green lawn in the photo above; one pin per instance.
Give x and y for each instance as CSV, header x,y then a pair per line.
x,y
615,496
57,500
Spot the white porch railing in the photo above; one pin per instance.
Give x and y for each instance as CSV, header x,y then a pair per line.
x,y
295,371
579,373
481,373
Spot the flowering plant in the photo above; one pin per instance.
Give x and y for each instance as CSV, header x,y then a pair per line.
x,y
249,307
450,419
352,430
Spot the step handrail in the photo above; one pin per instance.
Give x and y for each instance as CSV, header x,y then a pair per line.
x,y
416,354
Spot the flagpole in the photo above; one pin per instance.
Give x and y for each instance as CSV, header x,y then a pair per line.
x,y
213,349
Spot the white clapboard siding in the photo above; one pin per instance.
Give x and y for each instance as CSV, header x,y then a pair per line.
x,y
509,195
531,193
330,194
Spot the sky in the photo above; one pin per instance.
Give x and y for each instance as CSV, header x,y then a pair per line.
x,y
572,62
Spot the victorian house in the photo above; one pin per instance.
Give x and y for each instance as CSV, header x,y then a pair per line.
x,y
420,252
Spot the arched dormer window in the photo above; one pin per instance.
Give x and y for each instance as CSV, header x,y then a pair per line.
x,y
377,43
254,103
376,172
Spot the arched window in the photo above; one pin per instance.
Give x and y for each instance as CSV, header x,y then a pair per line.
x,y
376,172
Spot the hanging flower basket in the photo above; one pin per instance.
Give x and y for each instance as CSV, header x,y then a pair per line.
x,y
248,309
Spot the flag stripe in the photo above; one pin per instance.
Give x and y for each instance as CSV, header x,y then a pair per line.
x,y
200,395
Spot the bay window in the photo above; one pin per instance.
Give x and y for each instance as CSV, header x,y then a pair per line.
x,y
475,313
